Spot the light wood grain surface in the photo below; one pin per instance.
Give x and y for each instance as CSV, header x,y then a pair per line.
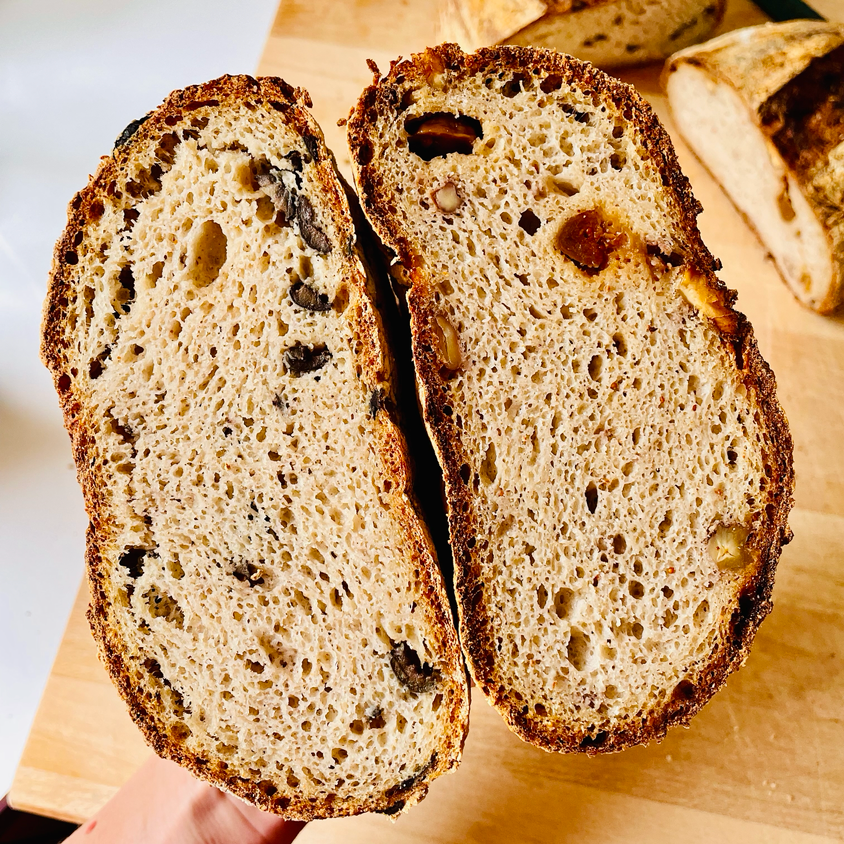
x,y
763,762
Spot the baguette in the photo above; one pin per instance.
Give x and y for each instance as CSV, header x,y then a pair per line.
x,y
264,592
618,470
763,109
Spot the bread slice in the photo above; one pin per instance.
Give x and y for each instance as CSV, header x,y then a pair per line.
x,y
608,33
617,467
264,593
763,109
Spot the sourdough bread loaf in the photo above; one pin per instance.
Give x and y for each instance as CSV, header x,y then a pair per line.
x,y
608,33
763,110
617,467
263,591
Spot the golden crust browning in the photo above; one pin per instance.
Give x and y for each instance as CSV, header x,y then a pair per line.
x,y
379,103
374,361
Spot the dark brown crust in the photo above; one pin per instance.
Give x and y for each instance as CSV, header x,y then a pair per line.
x,y
379,102
291,103
805,118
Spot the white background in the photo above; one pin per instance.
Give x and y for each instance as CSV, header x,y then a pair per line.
x,y
73,73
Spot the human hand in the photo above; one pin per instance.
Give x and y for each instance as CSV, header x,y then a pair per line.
x,y
163,804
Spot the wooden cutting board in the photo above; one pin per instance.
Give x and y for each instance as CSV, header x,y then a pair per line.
x,y
763,762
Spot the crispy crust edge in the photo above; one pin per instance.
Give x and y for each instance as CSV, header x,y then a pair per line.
x,y
293,104
754,602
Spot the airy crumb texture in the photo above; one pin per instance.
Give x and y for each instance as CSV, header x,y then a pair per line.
x,y
618,470
608,33
763,108
263,591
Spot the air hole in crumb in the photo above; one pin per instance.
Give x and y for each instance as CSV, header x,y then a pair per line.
x,y
514,86
563,187
541,596
577,650
592,497
207,253
551,83
635,589
684,690
440,134
530,222
162,605
563,602
126,293
619,544
489,469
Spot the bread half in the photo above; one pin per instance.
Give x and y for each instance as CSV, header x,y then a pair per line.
x,y
617,468
609,33
763,109
263,591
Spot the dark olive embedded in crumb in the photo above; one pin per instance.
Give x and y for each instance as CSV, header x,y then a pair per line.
x,y
96,366
377,400
588,239
133,561
394,809
414,779
419,677
281,187
314,236
299,359
312,146
130,130
432,135
306,297
295,159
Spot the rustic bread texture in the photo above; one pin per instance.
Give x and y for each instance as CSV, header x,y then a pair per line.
x,y
617,468
264,593
763,108
608,33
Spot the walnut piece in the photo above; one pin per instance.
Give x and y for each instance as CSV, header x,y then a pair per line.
x,y
446,198
727,547
448,342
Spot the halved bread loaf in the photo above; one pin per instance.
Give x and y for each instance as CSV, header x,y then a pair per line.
x,y
617,468
264,592
608,33
763,109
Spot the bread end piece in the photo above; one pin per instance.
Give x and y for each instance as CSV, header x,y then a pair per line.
x,y
761,108
608,33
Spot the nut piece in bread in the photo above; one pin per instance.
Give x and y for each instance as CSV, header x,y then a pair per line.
x,y
763,109
263,591
608,33
617,467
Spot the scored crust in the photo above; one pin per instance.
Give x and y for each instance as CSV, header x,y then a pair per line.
x,y
59,352
379,109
